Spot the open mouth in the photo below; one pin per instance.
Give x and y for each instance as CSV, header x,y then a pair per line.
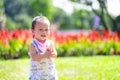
x,y
43,35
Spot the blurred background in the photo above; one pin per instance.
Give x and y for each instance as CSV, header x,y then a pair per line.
x,y
94,21
78,28
66,14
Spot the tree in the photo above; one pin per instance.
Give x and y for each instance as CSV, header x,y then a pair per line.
x,y
82,19
2,15
16,12
102,13
1,6
62,19
15,7
21,12
41,7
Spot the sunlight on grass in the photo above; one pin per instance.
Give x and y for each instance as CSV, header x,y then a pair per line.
x,y
69,68
14,69
89,68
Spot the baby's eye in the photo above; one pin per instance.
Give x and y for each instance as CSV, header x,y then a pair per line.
x,y
46,29
40,30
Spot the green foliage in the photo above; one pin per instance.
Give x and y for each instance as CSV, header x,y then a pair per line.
x,y
15,49
87,48
24,21
14,7
10,24
15,46
75,0
117,46
66,23
62,18
41,7
107,20
82,19
21,12
1,6
118,23
62,49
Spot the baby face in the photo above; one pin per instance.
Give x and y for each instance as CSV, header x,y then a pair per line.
x,y
41,31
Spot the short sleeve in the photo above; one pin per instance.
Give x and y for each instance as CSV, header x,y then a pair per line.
x,y
36,46
53,46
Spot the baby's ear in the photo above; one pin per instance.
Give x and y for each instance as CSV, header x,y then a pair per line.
x,y
32,30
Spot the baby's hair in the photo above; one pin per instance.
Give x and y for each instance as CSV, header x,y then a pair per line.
x,y
41,19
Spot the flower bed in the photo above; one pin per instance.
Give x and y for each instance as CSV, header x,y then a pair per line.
x,y
90,43
14,44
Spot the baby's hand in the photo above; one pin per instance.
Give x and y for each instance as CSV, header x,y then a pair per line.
x,y
49,53
49,49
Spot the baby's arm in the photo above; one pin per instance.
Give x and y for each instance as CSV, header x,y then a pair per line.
x,y
34,56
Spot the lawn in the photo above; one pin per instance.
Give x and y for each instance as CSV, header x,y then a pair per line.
x,y
69,68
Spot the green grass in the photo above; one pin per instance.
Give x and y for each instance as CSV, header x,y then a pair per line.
x,y
69,68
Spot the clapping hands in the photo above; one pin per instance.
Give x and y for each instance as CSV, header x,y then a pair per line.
x,y
50,52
